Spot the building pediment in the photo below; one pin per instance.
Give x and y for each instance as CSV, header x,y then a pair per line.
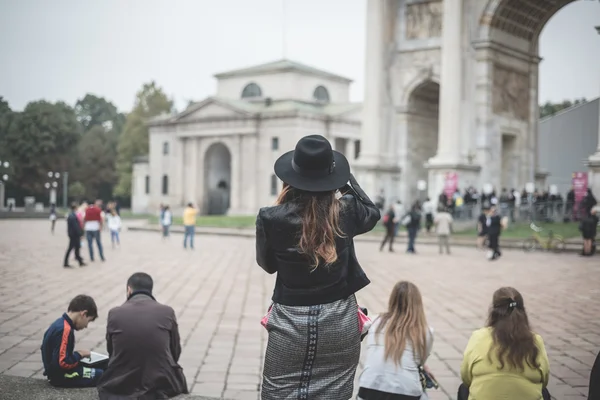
x,y
214,107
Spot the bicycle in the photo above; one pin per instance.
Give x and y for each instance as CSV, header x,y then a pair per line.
x,y
552,242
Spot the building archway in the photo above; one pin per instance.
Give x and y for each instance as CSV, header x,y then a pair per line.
x,y
422,133
217,179
511,30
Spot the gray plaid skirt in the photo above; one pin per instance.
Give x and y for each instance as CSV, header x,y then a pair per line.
x,y
312,352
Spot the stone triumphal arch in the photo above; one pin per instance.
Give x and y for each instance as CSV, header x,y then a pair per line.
x,y
452,86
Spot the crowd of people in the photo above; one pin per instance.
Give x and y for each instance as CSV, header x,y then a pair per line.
x,y
314,324
88,221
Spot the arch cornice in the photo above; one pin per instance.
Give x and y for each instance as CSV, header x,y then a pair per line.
x,y
423,76
536,13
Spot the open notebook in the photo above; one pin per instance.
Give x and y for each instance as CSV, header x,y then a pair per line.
x,y
94,359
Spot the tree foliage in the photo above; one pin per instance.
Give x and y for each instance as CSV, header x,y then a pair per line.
x,y
95,163
549,108
150,101
40,139
77,191
93,111
95,155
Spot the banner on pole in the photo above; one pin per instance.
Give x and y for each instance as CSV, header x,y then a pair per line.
x,y
450,184
580,187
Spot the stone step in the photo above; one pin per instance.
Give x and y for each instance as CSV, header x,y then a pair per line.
x,y
18,388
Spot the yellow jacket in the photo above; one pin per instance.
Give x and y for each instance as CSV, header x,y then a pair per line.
x,y
189,216
487,382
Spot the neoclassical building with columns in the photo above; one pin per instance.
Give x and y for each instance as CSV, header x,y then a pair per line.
x,y
452,86
219,153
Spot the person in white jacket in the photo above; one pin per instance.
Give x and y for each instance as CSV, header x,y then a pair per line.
x,y
114,225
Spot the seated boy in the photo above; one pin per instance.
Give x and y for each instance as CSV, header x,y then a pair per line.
x,y
61,363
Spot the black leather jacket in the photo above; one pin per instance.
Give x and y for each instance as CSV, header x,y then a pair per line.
x,y
277,231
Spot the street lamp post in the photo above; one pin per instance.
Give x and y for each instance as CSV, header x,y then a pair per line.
x,y
52,185
3,179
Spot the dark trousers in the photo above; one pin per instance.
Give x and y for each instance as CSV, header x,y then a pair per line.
x,y
428,222
80,377
494,239
412,236
91,236
390,233
594,393
74,244
463,393
372,394
189,233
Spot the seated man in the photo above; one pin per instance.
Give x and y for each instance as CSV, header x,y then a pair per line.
x,y
142,338
61,363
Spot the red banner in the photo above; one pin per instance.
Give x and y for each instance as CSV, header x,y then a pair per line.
x,y
451,184
580,187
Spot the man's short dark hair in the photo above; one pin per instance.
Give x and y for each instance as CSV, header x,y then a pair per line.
x,y
140,281
74,206
83,302
190,205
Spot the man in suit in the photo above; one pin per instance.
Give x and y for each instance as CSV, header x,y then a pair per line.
x,y
143,343
75,233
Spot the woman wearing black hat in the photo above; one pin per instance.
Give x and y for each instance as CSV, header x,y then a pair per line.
x,y
307,238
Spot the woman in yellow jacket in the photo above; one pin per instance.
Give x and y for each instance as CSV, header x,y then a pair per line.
x,y
505,360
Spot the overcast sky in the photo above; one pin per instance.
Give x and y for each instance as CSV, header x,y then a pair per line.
x,y
62,49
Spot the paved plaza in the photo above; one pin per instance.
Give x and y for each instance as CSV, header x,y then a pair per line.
x,y
220,295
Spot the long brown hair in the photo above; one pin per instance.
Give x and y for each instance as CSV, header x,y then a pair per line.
x,y
514,342
320,214
404,320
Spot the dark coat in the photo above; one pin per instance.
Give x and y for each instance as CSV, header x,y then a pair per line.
x,y
73,227
143,343
278,230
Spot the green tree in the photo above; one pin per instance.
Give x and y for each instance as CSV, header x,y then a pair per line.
x,y
77,191
548,108
5,117
95,163
150,101
41,139
92,111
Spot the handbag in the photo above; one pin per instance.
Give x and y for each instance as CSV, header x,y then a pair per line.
x,y
427,381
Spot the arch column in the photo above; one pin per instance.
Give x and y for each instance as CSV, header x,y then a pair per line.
x,y
373,104
451,135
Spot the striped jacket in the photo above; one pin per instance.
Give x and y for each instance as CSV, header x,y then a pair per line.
x,y
57,348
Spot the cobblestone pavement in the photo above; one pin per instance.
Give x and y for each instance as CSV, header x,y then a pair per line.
x,y
220,294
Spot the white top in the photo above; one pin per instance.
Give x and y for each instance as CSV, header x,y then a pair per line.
x,y
428,207
385,375
92,226
398,212
443,222
167,218
114,222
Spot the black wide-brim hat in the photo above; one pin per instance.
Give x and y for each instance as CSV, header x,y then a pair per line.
x,y
313,166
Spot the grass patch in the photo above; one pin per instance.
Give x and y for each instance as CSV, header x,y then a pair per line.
x,y
217,221
521,230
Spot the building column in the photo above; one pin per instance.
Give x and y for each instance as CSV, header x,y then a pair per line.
x,y
594,164
191,171
178,159
451,85
235,192
373,104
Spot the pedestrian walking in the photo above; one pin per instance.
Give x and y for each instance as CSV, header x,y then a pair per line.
x,y
114,226
189,224
494,229
443,227
428,211
389,222
94,223
75,233
52,217
413,224
166,221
